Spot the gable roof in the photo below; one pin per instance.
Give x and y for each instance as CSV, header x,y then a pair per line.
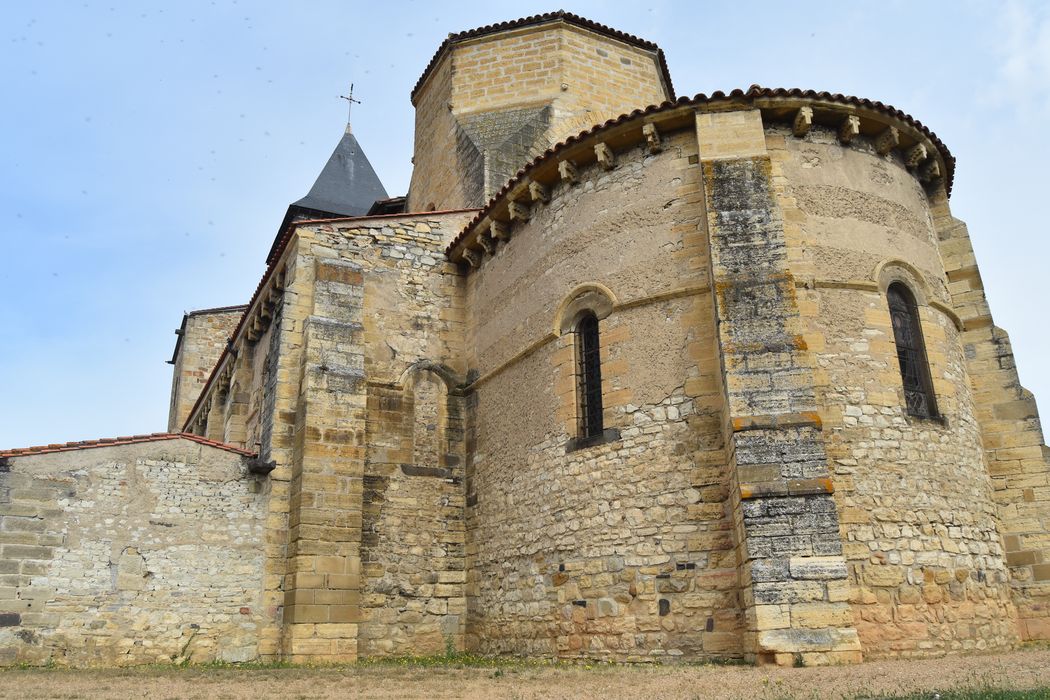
x,y
114,442
548,17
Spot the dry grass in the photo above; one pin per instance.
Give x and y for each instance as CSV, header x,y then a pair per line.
x,y
1026,670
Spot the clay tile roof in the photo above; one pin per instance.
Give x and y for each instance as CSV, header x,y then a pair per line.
x,y
738,95
112,442
560,15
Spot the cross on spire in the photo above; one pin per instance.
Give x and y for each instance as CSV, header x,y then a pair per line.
x,y
350,101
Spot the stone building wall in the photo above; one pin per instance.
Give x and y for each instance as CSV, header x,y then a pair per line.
x,y
203,338
448,169
374,304
919,526
139,553
621,550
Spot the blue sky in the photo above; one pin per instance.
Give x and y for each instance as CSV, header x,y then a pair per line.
x,y
150,150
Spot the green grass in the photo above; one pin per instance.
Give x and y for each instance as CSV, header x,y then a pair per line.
x,y
967,694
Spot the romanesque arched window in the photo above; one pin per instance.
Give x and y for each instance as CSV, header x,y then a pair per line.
x,y
588,378
911,352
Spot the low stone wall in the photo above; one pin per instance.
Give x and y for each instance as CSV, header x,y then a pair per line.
x,y
137,553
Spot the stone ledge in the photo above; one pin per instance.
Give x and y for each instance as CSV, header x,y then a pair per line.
x,y
772,422
787,487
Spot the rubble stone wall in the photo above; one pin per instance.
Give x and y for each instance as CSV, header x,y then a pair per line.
x,y
140,553
620,550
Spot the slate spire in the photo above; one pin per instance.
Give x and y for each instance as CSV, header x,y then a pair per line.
x,y
347,186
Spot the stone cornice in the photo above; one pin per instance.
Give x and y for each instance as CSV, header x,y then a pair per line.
x,y
888,128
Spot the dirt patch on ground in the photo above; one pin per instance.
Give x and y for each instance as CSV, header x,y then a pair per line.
x,y
1025,669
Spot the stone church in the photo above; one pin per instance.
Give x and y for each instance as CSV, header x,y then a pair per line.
x,y
710,378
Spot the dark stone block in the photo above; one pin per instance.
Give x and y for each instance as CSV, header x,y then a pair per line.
x,y
10,619
786,506
770,570
413,470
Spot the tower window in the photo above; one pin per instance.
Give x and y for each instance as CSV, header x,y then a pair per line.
x,y
911,352
588,378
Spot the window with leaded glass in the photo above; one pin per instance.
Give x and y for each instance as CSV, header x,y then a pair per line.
x,y
911,352
588,378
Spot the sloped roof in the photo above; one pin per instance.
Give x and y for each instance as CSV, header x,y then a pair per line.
x,y
114,442
348,185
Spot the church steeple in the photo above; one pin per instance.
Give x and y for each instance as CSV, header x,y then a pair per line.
x,y
347,186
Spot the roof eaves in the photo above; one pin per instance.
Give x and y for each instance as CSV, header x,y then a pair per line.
x,y
755,92
117,441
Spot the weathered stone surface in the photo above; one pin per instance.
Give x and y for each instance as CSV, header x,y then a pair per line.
x,y
154,556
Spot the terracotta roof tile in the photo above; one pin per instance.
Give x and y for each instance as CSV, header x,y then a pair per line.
x,y
127,440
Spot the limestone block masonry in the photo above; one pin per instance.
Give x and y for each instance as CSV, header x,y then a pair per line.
x,y
614,386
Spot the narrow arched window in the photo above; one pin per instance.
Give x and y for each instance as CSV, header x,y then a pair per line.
x,y
911,352
588,378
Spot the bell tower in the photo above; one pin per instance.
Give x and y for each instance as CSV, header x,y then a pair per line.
x,y
493,98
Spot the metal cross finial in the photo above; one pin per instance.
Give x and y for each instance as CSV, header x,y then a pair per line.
x,y
349,102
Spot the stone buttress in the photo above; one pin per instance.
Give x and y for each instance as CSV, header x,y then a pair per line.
x,y
792,571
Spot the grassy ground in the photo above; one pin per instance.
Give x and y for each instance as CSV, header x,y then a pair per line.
x,y
1020,675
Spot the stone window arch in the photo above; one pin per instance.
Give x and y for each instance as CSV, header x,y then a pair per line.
x,y
919,398
577,324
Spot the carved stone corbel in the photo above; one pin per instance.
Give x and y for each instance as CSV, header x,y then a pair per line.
x,y
849,129
930,170
604,154
803,121
472,257
652,138
568,173
499,231
518,211
887,140
915,155
538,192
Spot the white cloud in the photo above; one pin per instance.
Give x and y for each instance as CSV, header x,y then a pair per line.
x,y
1022,48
